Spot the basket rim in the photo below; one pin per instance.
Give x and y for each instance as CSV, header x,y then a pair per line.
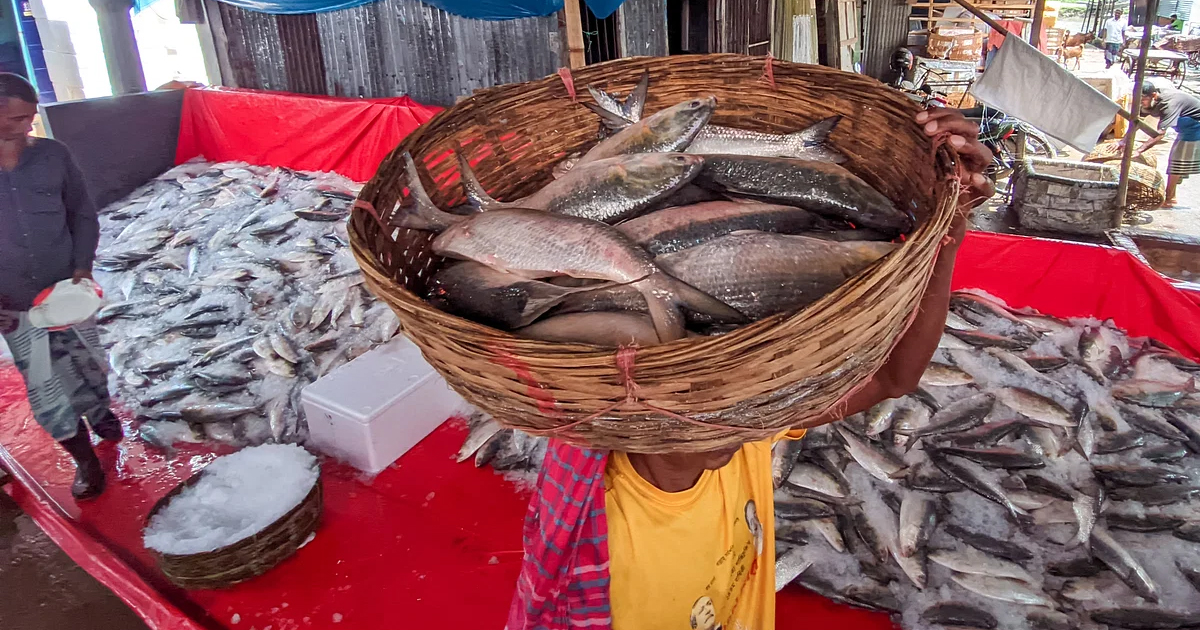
x,y
554,387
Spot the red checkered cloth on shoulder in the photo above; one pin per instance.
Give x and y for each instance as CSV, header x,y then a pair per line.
x,y
564,578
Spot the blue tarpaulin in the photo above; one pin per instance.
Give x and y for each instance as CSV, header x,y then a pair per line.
x,y
479,9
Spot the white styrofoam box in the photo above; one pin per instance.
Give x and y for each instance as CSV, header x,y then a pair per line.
x,y
375,408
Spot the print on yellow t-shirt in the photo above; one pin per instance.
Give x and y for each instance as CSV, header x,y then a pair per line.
x,y
693,560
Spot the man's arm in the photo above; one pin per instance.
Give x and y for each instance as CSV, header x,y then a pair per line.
x,y
81,220
902,371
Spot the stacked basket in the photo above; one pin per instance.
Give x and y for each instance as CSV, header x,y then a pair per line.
x,y
694,394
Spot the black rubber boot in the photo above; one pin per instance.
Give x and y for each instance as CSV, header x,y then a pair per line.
x,y
89,474
107,426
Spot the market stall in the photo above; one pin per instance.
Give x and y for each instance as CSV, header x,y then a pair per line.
x,y
429,541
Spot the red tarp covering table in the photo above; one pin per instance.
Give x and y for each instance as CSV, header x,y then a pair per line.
x,y
428,542
309,133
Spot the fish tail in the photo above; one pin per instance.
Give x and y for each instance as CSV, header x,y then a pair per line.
x,y
421,213
636,101
695,300
474,191
614,121
661,302
815,138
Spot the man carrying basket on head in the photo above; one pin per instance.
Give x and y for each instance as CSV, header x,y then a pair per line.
x,y
633,541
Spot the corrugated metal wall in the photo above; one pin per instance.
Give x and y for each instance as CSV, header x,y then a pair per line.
x,y
386,48
795,37
740,26
885,23
643,27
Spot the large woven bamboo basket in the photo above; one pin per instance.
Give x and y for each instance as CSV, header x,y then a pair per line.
x,y
248,558
694,394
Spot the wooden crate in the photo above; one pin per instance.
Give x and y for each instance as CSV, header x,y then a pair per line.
x,y
958,44
1065,196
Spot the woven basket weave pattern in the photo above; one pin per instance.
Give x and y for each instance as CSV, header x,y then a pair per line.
x,y
717,391
247,558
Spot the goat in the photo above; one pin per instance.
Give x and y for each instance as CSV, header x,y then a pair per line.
x,y
1067,53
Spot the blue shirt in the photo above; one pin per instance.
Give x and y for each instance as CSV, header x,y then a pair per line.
x,y
48,225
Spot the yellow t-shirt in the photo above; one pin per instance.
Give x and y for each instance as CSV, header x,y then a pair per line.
x,y
700,559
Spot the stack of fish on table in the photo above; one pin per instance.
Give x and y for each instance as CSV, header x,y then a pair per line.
x,y
668,226
1045,475
230,287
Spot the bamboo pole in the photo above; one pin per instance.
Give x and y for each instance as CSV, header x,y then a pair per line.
x,y
1131,138
574,24
972,9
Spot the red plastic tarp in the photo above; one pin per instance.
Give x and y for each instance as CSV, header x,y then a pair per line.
x,y
346,135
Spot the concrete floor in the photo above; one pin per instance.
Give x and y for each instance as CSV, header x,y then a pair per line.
x,y
43,589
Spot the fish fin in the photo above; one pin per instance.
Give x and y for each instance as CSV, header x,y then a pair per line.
x,y
636,101
899,474
698,301
815,137
612,120
421,213
536,306
476,195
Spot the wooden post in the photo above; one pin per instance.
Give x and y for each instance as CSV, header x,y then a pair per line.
x,y
1035,33
575,54
1131,138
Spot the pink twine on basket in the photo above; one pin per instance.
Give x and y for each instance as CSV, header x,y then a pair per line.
x,y
769,70
625,360
546,402
568,80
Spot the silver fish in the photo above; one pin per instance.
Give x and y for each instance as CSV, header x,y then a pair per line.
x,y
810,143
761,274
821,187
669,130
1003,589
881,464
813,478
918,518
1111,553
973,561
608,190
1035,407
215,412
790,565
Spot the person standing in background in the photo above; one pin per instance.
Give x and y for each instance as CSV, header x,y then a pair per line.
x,y
1182,112
1113,34
48,233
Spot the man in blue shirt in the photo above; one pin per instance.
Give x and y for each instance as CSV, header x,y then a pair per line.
x,y
49,233
1181,111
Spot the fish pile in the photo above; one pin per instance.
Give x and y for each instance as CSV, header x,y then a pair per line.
x,y
1045,475
230,287
669,225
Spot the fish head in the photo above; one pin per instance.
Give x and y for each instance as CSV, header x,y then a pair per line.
x,y
658,170
679,124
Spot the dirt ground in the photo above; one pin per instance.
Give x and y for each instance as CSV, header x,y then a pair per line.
x,y
42,589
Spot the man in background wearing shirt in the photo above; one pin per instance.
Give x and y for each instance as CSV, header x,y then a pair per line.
x,y
1182,111
49,233
1113,34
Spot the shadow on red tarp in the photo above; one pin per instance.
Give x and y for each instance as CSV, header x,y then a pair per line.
x,y
309,133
